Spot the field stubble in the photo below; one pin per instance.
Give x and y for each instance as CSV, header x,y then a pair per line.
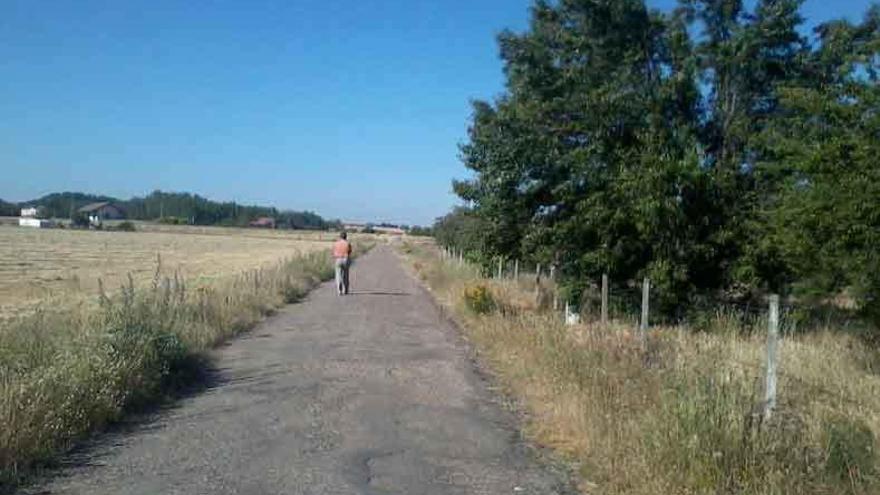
x,y
55,266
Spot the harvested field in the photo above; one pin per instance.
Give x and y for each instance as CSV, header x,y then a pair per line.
x,y
45,265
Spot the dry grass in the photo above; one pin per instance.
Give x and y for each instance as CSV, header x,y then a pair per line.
x,y
39,265
680,412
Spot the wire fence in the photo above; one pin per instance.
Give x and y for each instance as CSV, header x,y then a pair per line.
x,y
625,300
605,301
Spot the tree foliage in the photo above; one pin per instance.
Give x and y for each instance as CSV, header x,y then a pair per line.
x,y
65,204
699,148
8,209
822,151
461,228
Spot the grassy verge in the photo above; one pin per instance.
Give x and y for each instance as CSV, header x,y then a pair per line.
x,y
67,372
678,414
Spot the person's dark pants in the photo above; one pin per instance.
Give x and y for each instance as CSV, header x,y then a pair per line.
x,y
342,266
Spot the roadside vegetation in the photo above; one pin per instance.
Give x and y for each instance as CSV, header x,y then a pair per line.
x,y
678,413
67,371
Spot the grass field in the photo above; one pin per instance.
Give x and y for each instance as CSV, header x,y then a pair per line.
x,y
45,265
677,413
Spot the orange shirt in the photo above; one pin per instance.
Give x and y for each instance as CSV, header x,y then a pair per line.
x,y
341,249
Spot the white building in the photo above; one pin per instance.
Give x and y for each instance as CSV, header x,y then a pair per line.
x,y
32,222
29,219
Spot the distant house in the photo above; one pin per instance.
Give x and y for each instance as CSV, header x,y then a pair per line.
x,y
30,218
263,223
36,223
389,230
104,210
370,228
98,212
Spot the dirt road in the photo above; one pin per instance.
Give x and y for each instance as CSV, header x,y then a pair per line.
x,y
372,393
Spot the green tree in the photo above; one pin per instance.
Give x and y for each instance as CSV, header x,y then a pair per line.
x,y
589,159
627,143
825,216
743,58
8,209
462,229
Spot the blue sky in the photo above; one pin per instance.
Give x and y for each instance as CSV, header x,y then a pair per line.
x,y
350,108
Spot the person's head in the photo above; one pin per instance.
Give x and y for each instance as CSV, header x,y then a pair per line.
x,y
343,235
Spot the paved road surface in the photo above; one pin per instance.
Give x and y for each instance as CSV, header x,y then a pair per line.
x,y
367,394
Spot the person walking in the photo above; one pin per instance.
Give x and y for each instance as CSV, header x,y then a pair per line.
x,y
342,254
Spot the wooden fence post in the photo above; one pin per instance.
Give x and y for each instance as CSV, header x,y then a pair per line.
x,y
516,270
571,318
605,299
537,285
500,267
461,257
646,294
772,357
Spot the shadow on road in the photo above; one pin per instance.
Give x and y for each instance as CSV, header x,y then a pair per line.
x,y
201,376
378,293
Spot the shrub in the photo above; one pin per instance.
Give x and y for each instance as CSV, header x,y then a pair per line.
x,y
479,299
126,227
172,220
80,220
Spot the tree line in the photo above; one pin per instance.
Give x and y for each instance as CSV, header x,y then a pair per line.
x,y
716,149
184,208
8,209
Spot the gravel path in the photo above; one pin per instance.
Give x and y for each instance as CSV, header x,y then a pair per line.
x,y
373,393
